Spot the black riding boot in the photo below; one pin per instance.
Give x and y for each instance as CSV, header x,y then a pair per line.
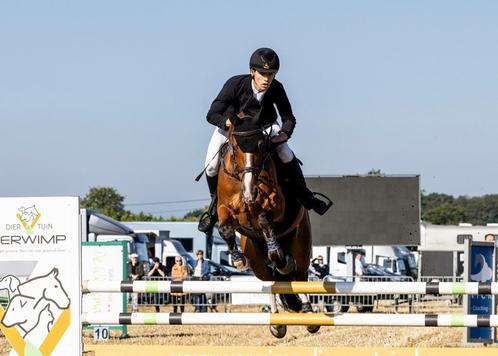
x,y
294,173
210,217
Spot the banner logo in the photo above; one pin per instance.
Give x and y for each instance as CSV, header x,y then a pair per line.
x,y
28,217
38,313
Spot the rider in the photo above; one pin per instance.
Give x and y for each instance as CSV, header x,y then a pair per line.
x,y
262,91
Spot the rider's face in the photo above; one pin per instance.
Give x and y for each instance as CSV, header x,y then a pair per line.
x,y
261,81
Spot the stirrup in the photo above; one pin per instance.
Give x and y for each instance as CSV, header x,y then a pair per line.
x,y
206,223
328,203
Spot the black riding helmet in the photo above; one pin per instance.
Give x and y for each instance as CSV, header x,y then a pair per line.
x,y
264,60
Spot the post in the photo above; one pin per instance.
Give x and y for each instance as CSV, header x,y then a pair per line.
x,y
480,265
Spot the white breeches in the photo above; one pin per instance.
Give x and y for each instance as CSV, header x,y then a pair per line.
x,y
221,136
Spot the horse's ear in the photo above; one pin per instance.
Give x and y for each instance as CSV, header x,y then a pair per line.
x,y
55,272
11,287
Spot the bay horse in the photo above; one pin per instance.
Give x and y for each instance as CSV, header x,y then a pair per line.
x,y
253,200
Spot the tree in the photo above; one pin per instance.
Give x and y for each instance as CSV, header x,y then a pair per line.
x,y
192,215
141,216
481,210
109,202
444,214
106,200
445,209
432,200
374,172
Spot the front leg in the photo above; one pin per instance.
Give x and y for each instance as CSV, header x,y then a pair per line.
x,y
227,232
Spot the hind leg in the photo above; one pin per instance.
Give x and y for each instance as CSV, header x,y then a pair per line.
x,y
282,261
300,247
256,253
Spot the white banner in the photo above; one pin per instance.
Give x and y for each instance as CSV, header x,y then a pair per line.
x,y
40,260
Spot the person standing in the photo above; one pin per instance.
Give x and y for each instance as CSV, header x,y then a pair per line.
x,y
157,269
358,265
135,268
156,272
179,272
135,271
319,268
201,272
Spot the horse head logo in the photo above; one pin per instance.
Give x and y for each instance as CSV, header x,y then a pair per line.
x,y
28,217
29,214
484,271
54,291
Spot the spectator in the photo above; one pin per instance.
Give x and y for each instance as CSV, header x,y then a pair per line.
x,y
201,272
157,271
319,269
179,272
135,269
135,272
489,237
358,265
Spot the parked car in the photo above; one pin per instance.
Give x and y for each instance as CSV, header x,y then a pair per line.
x,y
363,303
219,270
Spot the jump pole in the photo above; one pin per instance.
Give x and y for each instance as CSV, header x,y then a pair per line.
x,y
414,320
351,288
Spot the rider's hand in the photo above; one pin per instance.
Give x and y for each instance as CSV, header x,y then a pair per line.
x,y
281,137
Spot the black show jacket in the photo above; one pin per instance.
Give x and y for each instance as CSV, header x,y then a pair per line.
x,y
237,95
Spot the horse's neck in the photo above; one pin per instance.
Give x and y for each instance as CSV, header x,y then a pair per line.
x,y
33,287
229,160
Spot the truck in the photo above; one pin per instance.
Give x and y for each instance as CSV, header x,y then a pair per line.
x,y
145,243
394,259
101,228
187,234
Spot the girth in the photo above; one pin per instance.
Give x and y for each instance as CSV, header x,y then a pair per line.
x,y
281,230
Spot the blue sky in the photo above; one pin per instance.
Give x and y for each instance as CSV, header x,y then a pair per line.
x,y
115,93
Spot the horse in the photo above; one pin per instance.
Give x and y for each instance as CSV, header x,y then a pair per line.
x,y
254,201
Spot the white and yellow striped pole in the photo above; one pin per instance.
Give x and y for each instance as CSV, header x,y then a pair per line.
x,y
352,288
424,320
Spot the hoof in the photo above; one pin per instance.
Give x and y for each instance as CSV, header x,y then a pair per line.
x,y
278,331
307,308
241,265
291,303
313,329
276,255
239,261
288,267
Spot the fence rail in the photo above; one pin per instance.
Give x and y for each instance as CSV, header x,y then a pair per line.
x,y
221,300
350,288
428,320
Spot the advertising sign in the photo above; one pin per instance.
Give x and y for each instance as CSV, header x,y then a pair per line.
x,y
481,269
105,261
39,275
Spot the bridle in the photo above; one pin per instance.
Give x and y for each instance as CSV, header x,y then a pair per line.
x,y
238,172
